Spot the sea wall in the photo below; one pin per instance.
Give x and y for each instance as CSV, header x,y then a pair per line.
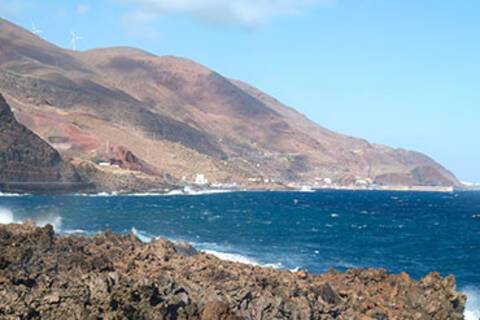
x,y
49,276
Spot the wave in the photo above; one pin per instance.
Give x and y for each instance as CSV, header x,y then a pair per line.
x,y
8,217
179,192
52,219
143,236
13,194
234,257
210,248
472,309
76,231
185,192
100,194
191,192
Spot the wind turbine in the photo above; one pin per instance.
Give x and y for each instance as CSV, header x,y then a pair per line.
x,y
75,39
35,30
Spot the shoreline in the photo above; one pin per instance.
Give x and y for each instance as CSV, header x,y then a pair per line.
x,y
111,275
207,191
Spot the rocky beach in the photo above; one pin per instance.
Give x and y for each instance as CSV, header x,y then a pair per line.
x,y
44,275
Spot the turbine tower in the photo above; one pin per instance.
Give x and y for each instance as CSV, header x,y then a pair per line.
x,y
35,30
75,39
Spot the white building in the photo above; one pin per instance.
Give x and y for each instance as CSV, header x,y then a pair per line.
x,y
200,179
104,164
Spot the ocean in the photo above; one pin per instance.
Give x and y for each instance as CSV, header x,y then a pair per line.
x,y
414,232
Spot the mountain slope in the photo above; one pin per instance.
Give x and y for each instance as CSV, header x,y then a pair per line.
x,y
181,118
27,163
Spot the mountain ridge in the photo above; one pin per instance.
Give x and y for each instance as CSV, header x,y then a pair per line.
x,y
182,119
28,164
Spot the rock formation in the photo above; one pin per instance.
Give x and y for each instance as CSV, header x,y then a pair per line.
x,y
47,276
27,163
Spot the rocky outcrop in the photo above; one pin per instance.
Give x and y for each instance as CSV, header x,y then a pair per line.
x,y
47,276
123,181
27,163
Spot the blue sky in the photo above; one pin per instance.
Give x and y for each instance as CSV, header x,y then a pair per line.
x,y
400,72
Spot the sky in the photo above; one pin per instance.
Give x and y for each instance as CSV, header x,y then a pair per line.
x,y
405,73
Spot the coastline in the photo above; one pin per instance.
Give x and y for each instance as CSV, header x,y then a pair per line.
x,y
112,275
58,189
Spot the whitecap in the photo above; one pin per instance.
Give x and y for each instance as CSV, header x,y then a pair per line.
x,y
145,194
214,218
100,194
305,189
52,219
191,192
13,194
277,265
206,192
142,235
7,217
472,309
334,215
234,257
75,231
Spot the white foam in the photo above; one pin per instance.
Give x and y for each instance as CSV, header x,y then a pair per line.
x,y
75,231
175,193
305,189
191,192
232,257
100,194
12,194
7,217
472,309
142,236
52,219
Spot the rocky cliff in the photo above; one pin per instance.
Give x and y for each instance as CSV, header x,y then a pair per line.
x,y
27,163
47,276
180,118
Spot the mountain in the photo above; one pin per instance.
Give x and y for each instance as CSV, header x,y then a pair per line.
x,y
172,118
28,163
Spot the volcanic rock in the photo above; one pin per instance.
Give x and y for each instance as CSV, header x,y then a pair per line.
x,y
109,276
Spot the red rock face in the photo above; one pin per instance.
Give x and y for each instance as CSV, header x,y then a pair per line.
x,y
126,159
46,276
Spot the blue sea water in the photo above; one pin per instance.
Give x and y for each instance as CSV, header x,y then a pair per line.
x,y
400,231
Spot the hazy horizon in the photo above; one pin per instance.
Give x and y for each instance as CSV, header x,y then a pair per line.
x,y
401,74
